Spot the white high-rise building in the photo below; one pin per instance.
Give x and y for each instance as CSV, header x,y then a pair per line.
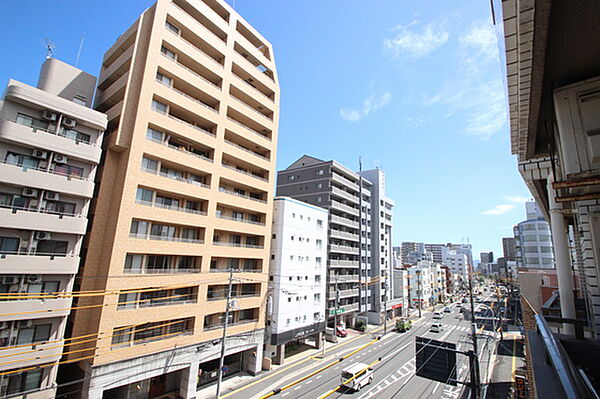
x,y
298,274
457,263
533,241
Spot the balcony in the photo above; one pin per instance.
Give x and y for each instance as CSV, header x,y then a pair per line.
x,y
49,140
266,118
32,219
254,90
344,221
245,149
38,263
189,97
190,70
181,149
46,180
343,249
344,263
343,235
343,207
35,308
244,172
237,245
21,356
175,177
238,219
342,180
192,48
343,293
345,194
165,238
249,129
235,323
231,192
343,278
170,207
197,27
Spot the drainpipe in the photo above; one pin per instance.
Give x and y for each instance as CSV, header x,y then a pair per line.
x,y
562,258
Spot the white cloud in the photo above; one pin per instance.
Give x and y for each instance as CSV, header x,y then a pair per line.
x,y
371,104
417,44
500,209
482,39
517,199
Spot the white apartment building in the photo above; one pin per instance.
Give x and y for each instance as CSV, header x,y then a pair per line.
x,y
533,241
427,284
49,151
297,275
382,296
457,263
400,292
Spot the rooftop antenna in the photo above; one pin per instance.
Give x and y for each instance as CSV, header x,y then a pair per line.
x,y
50,47
80,47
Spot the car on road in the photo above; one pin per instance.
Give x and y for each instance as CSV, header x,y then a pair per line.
x,y
357,376
438,315
403,325
436,328
340,331
447,309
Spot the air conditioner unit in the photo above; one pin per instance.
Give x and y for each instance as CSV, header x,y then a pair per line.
x,y
68,122
60,158
40,154
52,196
49,115
34,278
30,192
42,235
7,280
577,108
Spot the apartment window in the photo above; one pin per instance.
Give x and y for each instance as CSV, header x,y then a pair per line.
x,y
160,107
68,170
319,199
167,81
319,224
133,263
290,177
52,247
21,160
37,333
319,185
26,120
290,278
317,297
157,262
319,244
60,208
9,245
22,382
292,238
287,322
272,257
289,299
172,27
139,228
318,261
291,257
149,164
320,172
154,135
317,278
168,53
144,194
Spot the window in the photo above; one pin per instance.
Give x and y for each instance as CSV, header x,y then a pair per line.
x,y
160,107
9,245
24,161
319,244
31,122
68,170
60,208
319,185
319,199
144,194
318,261
167,81
317,298
37,333
168,53
139,228
172,27
320,172
22,382
52,247
317,278
134,263
149,164
290,177
154,135
319,224
289,299
75,135
157,262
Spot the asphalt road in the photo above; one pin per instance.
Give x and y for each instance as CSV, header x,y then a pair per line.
x,y
394,375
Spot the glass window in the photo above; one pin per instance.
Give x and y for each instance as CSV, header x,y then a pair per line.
x,y
171,27
167,81
167,201
168,53
144,194
68,170
52,247
154,135
157,262
25,161
139,227
9,245
186,262
162,230
134,262
127,301
158,106
60,208
25,381
149,164
189,233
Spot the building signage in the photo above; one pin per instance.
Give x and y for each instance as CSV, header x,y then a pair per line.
x,y
336,311
520,387
297,333
399,305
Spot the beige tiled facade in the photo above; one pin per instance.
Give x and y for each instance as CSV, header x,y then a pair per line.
x,y
186,190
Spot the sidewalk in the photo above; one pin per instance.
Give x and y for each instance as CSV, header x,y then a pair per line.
x,y
510,357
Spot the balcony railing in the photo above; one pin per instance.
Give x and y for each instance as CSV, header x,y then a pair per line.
x,y
165,238
237,245
55,132
41,210
189,97
270,118
220,216
247,150
33,252
53,172
221,295
249,129
160,271
170,207
200,128
174,177
192,71
255,89
181,149
231,167
202,27
237,323
237,270
224,190
196,48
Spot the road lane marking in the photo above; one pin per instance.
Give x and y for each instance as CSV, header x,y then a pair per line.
x,y
285,393
308,382
319,376
435,388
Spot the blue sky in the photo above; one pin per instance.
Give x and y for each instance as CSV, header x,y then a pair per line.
x,y
414,87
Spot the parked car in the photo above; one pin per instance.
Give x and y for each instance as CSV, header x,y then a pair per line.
x,y
403,325
340,331
436,328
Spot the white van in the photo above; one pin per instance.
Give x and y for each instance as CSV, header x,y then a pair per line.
x,y
357,383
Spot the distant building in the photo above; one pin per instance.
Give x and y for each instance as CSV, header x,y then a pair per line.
x,y
509,248
486,257
297,275
408,248
457,263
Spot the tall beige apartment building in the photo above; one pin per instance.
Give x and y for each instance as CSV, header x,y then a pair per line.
x,y
186,193
50,148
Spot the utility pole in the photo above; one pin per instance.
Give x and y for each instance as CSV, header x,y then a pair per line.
x,y
475,373
222,359
419,290
337,306
385,307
